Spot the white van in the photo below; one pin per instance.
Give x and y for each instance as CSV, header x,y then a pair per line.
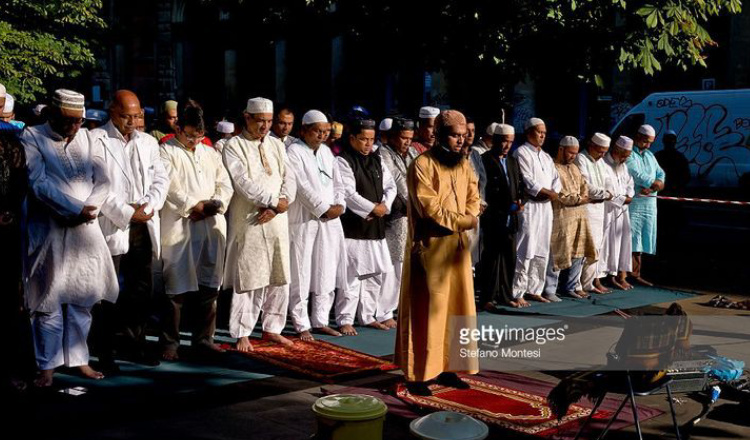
x,y
713,131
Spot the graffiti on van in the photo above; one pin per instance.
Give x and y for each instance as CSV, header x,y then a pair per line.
x,y
705,136
619,110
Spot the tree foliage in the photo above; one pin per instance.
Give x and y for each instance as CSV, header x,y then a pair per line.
x,y
43,40
583,38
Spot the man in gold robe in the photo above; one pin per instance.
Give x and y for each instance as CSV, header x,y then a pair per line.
x,y
437,293
572,242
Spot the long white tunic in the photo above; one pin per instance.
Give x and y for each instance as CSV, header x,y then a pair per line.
x,y
193,252
366,257
617,249
595,173
65,265
535,222
257,255
136,175
319,186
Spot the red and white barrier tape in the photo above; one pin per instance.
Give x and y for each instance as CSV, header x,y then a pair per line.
x,y
688,199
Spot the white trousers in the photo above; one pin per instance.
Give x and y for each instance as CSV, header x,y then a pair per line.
x,y
60,339
588,275
247,306
530,276
360,297
322,303
390,292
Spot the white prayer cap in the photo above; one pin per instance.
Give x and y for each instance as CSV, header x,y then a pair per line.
x,y
647,130
601,140
504,129
491,128
38,109
10,103
2,91
533,122
427,112
225,127
70,103
670,132
314,117
625,143
386,124
568,141
259,105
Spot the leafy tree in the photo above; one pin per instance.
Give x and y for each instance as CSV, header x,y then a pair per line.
x,y
582,38
44,40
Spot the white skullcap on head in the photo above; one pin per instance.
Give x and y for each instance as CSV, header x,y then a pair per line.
x,y
533,122
2,91
225,127
386,124
427,112
625,143
491,128
314,117
10,103
647,130
601,140
259,105
38,109
568,141
504,129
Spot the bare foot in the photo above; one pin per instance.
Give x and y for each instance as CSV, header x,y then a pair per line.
x,y
306,336
626,284
277,338
579,294
538,298
326,331
598,285
389,323
643,282
90,372
44,379
376,325
348,330
598,291
170,355
618,284
243,344
522,302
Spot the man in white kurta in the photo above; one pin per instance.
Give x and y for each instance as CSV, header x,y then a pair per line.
x,y
193,233
397,156
369,190
616,259
130,223
594,170
318,251
542,183
257,266
68,267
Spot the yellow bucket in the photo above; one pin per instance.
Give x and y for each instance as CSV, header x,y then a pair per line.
x,y
349,416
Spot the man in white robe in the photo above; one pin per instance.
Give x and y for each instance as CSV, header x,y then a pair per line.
x,y
369,190
130,223
594,170
193,233
226,131
397,155
68,267
318,250
542,183
257,266
616,259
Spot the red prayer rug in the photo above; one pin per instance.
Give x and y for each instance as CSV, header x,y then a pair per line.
x,y
509,401
318,359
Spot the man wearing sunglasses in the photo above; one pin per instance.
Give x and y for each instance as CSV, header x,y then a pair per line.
x,y
69,268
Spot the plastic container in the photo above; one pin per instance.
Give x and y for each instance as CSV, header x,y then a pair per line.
x,y
349,417
448,425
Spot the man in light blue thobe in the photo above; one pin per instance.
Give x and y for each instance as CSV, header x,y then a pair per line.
x,y
649,179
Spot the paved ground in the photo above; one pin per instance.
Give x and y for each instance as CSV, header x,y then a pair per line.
x,y
266,403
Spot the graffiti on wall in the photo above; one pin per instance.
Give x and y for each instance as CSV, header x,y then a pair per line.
x,y
706,136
